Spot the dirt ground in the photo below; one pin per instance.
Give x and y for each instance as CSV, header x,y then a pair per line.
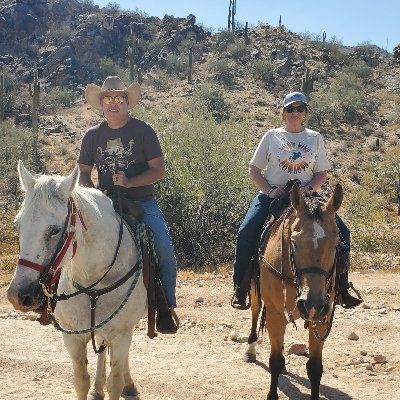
x,y
203,362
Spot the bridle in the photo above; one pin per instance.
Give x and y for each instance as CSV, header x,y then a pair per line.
x,y
50,272
296,279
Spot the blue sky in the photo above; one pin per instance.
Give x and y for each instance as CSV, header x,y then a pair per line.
x,y
350,21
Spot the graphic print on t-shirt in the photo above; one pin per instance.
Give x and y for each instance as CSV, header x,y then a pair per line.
x,y
115,157
292,157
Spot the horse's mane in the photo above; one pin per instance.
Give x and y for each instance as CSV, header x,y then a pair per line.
x,y
314,206
45,191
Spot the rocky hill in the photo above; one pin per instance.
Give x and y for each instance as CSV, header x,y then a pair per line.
x,y
355,96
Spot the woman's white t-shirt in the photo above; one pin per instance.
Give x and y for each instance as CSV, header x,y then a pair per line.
x,y
283,156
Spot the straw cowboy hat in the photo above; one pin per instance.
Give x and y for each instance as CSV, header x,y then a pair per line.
x,y
93,93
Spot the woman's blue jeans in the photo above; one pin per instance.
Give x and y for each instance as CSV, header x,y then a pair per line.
x,y
250,232
164,248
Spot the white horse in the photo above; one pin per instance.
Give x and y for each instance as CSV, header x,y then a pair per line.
x,y
55,213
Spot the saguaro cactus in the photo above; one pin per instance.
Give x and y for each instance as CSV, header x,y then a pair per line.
x,y
34,90
231,15
323,36
307,82
190,66
132,55
246,34
2,95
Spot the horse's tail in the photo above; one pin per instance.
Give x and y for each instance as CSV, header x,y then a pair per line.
x,y
263,321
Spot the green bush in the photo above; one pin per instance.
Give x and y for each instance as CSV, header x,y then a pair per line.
x,y
207,100
55,99
263,70
224,71
159,79
207,189
238,50
16,143
177,65
343,101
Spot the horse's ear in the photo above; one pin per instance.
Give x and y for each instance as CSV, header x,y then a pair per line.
x,y
66,187
335,201
296,198
26,179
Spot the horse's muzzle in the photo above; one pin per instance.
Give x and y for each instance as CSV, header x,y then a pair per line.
x,y
24,299
312,310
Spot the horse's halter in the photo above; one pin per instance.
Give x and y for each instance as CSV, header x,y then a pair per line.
x,y
50,272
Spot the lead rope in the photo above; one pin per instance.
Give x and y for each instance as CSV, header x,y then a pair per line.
x,y
288,314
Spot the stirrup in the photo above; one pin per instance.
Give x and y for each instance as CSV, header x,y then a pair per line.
x,y
238,304
353,301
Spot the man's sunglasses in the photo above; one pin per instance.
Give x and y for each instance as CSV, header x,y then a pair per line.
x,y
117,99
299,109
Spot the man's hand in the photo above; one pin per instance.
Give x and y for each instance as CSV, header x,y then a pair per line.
x,y
120,179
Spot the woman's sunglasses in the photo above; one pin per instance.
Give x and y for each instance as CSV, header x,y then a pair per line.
x,y
117,99
299,109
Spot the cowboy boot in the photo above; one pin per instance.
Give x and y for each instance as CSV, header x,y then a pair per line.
x,y
346,300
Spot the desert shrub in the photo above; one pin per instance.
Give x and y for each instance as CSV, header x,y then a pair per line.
x,y
177,65
343,101
159,79
210,101
223,39
263,70
108,67
56,98
367,207
238,50
16,143
59,34
224,71
358,68
207,190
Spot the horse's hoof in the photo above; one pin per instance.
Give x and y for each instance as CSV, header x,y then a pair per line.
x,y
249,358
96,396
272,396
130,392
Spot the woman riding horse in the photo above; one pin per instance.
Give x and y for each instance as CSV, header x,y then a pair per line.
x,y
292,151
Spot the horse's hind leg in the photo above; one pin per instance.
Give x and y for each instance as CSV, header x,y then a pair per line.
x,y
314,363
97,392
250,355
276,325
77,350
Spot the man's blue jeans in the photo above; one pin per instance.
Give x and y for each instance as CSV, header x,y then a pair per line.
x,y
250,232
154,218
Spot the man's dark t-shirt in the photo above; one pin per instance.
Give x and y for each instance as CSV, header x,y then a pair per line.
x,y
125,149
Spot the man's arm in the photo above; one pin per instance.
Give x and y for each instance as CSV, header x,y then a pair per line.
x,y
153,174
85,178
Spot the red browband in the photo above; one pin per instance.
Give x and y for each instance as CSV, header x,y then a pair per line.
x,y
61,254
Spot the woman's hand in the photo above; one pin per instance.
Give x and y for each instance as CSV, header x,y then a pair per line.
x,y
276,192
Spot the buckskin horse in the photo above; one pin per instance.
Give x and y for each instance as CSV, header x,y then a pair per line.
x,y
297,279
64,228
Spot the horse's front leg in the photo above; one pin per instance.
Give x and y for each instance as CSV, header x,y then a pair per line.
x,y
119,353
276,325
314,364
251,353
97,392
76,346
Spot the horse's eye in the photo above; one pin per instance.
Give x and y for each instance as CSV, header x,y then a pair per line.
x,y
55,231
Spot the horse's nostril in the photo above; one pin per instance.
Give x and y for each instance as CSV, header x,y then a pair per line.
x,y
301,305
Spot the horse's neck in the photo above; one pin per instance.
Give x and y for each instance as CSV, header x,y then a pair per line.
x,y
97,245
277,248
